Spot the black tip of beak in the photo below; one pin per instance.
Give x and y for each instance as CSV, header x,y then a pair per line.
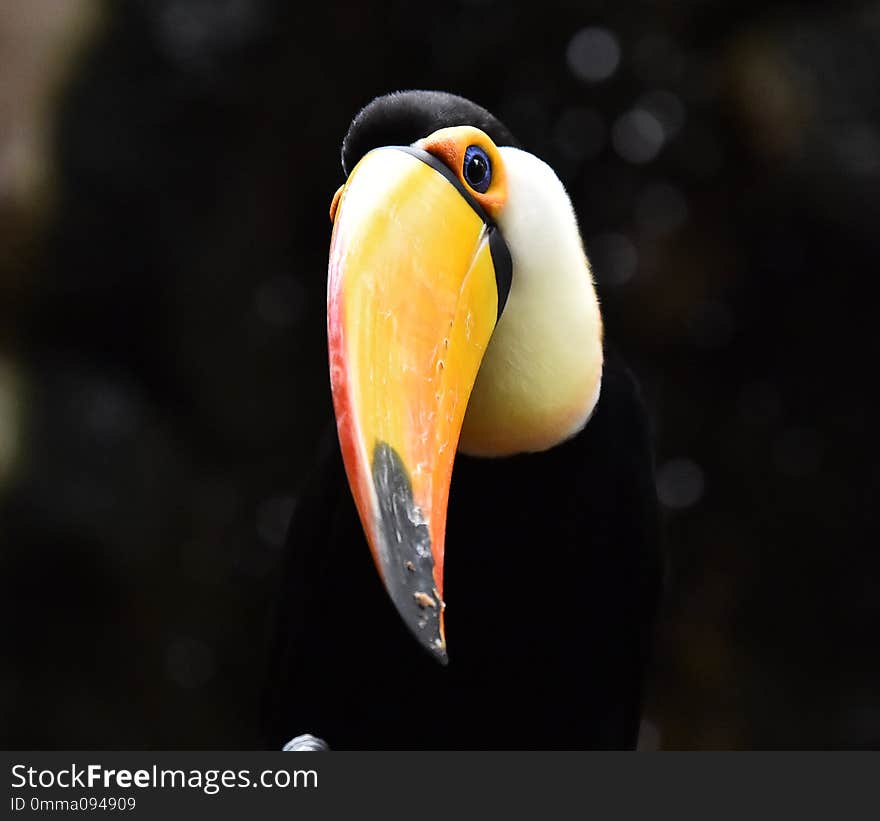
x,y
405,552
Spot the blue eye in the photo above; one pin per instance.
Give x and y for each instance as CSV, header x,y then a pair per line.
x,y
477,169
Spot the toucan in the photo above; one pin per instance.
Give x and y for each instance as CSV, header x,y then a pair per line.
x,y
477,406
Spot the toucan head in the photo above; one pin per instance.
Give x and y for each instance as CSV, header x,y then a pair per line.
x,y
461,315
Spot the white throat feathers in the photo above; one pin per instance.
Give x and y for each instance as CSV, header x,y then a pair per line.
x,y
540,378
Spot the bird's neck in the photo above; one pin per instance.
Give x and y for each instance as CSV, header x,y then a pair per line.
x,y
541,375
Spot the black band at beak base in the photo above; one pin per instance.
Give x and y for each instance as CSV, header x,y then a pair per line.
x,y
501,260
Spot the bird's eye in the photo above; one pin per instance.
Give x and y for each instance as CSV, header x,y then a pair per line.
x,y
477,168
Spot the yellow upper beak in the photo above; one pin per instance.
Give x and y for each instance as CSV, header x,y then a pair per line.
x,y
412,302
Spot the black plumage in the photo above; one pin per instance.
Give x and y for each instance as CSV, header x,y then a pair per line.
x,y
552,581
406,116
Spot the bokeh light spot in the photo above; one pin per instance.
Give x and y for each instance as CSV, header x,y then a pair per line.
x,y
593,54
638,136
680,483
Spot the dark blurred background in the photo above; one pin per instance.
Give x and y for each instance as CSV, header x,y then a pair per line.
x,y
166,167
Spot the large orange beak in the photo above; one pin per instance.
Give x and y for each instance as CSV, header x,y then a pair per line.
x,y
413,298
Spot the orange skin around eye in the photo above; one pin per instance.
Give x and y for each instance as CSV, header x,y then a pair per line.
x,y
450,144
